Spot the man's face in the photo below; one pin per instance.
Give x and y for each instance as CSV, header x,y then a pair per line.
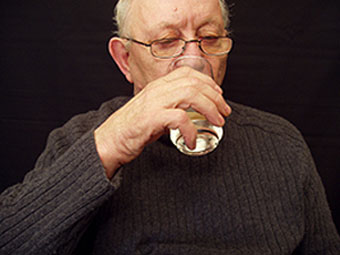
x,y
157,19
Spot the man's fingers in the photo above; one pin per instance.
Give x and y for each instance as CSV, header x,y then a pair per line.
x,y
177,118
191,92
209,109
186,72
159,106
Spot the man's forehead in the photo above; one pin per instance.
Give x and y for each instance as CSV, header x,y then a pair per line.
x,y
151,15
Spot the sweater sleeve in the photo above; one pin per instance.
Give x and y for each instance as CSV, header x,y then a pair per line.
x,y
321,236
48,212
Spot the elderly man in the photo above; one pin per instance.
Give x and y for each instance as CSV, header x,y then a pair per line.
x,y
110,182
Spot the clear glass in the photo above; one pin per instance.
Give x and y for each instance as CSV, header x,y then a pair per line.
x,y
208,135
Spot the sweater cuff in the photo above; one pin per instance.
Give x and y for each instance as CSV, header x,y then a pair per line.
x,y
93,168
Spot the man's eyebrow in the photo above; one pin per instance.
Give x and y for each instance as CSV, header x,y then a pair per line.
x,y
167,25
164,25
212,22
160,27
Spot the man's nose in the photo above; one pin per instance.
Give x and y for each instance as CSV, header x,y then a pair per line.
x,y
192,49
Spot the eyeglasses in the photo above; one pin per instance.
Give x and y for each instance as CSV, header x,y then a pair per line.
x,y
174,47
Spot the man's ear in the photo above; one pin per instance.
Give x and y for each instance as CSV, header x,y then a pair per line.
x,y
120,54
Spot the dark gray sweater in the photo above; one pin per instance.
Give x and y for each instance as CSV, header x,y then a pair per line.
x,y
257,193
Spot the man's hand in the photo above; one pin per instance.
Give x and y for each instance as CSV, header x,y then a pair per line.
x,y
159,106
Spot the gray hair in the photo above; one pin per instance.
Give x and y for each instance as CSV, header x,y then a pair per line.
x,y
123,7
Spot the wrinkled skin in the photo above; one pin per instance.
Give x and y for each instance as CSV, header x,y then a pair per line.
x,y
161,98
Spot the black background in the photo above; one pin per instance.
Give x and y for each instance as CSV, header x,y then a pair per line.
x,y
54,64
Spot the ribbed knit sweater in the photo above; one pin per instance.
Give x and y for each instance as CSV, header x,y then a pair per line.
x,y
257,193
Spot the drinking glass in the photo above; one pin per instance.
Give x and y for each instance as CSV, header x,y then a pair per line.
x,y
208,135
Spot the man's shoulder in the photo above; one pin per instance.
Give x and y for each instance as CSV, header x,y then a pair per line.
x,y
95,117
249,117
84,122
114,104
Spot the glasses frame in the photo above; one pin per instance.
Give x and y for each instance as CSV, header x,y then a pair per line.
x,y
199,41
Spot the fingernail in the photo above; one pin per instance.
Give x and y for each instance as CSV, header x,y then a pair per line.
x,y
227,110
192,145
219,89
221,120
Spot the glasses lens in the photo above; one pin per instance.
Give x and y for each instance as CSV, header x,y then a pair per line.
x,y
167,47
216,45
